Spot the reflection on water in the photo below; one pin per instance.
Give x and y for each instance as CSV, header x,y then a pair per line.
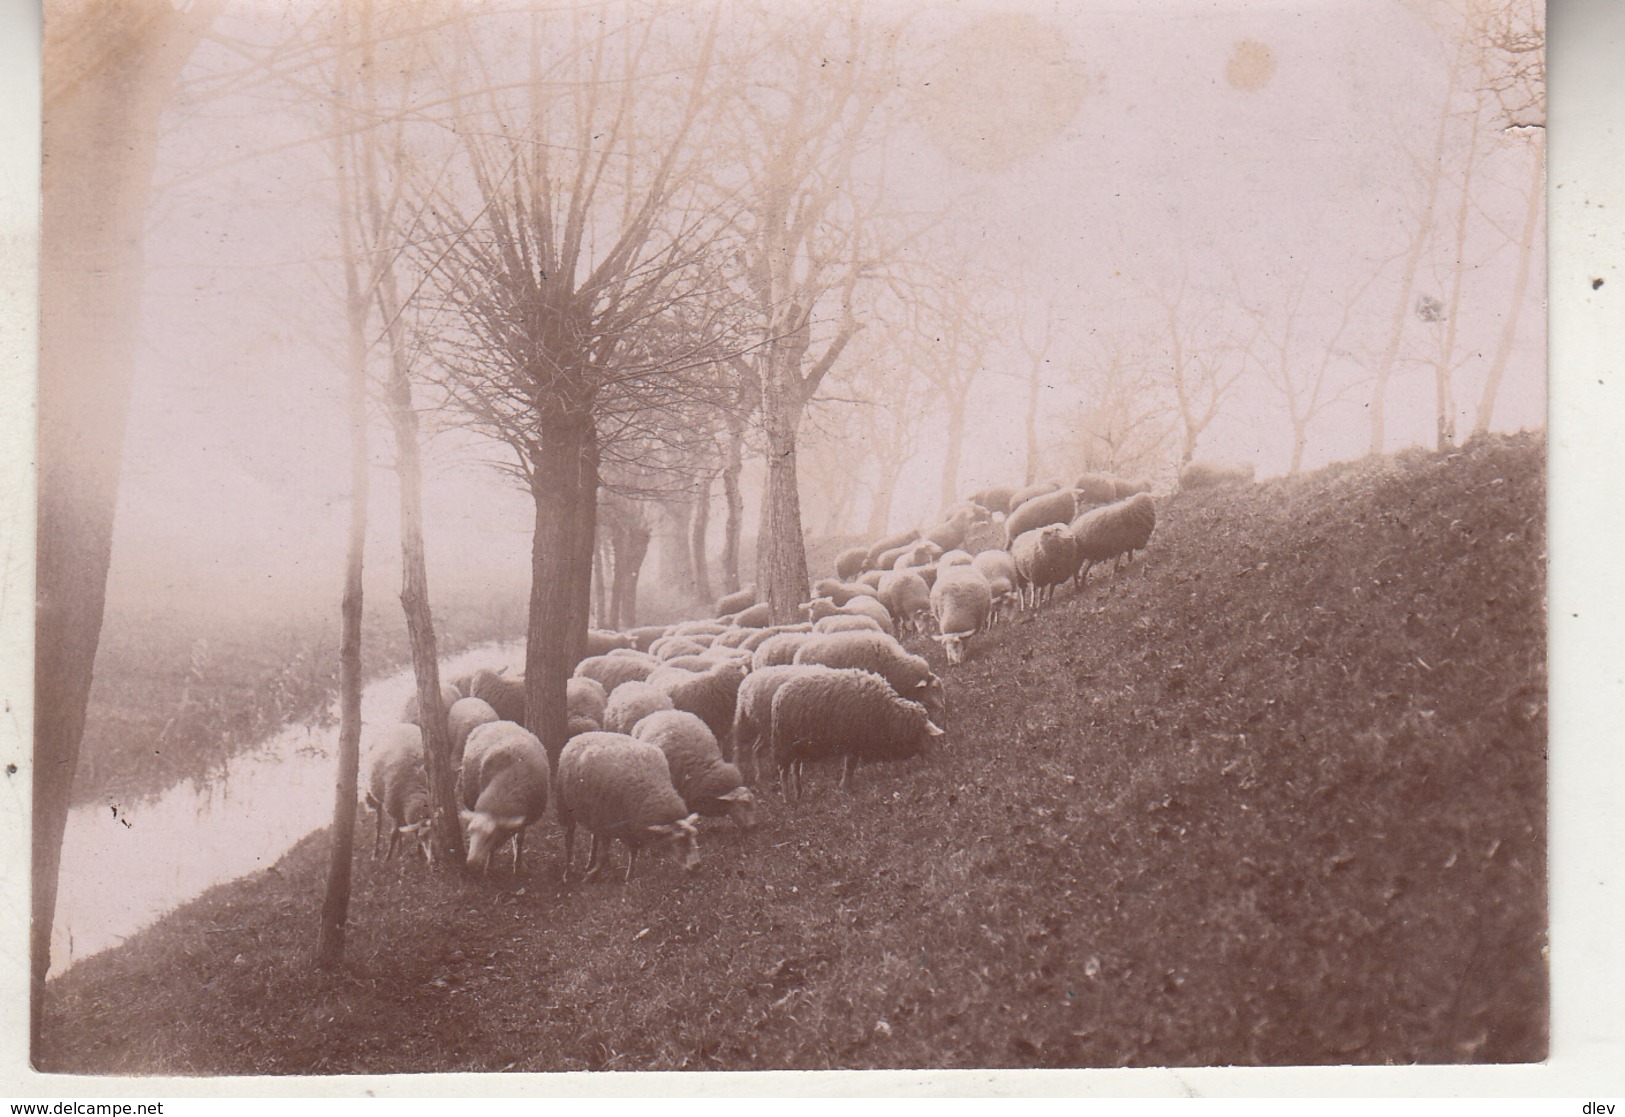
x,y
124,865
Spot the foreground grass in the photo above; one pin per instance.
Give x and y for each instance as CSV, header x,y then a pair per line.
x,y
1276,797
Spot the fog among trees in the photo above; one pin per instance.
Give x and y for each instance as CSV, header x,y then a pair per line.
x,y
576,277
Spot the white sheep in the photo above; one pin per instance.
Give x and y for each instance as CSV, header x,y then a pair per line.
x,y
739,599
619,787
449,694
820,607
398,788
505,788
841,592
1023,495
1115,531
645,635
848,714
850,563
847,622
895,541
585,697
1000,571
614,669
505,693
759,615
708,694
962,603
631,702
996,499
1052,508
909,675
907,597
697,629
670,647
465,716
923,553
753,710
1044,557
955,526
710,786
1208,475
602,640
779,649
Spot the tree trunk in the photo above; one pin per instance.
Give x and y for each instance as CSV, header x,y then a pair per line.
x,y
564,486
781,553
600,575
631,545
951,452
336,902
735,502
1444,371
701,521
448,834
109,69
1520,288
676,547
1402,311
880,506
1033,387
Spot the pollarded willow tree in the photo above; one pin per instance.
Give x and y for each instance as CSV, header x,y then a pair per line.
x,y
570,234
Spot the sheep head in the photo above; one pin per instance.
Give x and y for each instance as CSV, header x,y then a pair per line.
x,y
681,839
486,832
954,644
741,802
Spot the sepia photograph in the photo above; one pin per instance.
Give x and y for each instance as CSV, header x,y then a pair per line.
x,y
762,535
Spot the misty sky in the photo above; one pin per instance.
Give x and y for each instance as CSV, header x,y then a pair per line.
x,y
1104,147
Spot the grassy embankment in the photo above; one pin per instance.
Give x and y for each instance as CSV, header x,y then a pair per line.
x,y
1277,796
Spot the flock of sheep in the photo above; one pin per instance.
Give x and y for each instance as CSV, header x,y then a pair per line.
x,y
661,718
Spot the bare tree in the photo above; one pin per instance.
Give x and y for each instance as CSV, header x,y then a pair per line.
x,y
357,306
1300,367
549,294
1036,343
109,71
1120,424
1205,359
1514,39
818,83
625,531
950,336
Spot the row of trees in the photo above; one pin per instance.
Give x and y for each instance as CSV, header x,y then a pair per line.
x,y
564,231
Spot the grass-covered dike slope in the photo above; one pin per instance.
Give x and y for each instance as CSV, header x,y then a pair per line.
x,y
1274,796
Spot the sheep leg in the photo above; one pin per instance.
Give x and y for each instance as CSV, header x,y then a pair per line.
x,y
595,858
631,861
569,846
848,767
518,848
786,773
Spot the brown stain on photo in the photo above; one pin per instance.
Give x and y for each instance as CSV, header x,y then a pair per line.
x,y
1251,66
1001,90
